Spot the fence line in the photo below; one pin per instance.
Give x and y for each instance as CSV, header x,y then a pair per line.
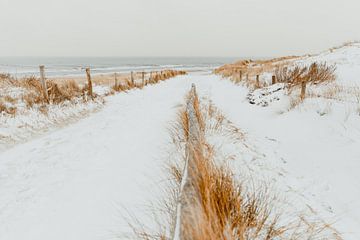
x,y
90,91
188,198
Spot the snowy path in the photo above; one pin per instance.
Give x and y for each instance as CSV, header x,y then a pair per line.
x,y
75,183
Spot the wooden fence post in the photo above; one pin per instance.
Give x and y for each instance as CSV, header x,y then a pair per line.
x,y
257,81
143,78
303,90
116,81
273,79
240,75
90,91
43,83
188,199
132,77
247,77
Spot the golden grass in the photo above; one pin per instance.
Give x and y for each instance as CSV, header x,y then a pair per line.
x,y
315,73
126,84
61,89
250,68
224,207
225,210
284,71
7,105
67,91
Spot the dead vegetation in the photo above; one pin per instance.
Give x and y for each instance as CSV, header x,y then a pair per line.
x,y
57,93
223,206
246,71
224,210
315,73
32,90
156,77
60,91
295,76
251,67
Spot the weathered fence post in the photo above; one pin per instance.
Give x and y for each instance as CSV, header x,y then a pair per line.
x,y
90,90
132,77
116,81
247,77
240,76
273,80
43,83
143,78
189,199
257,81
303,90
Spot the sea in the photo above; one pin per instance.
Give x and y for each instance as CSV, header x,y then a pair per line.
x,y
75,66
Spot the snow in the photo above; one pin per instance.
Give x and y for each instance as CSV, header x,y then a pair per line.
x,y
267,95
75,183
316,156
28,123
82,180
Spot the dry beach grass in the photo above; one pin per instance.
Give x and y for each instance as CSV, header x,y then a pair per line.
x,y
223,206
60,90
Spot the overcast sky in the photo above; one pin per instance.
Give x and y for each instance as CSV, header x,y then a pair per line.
x,y
175,27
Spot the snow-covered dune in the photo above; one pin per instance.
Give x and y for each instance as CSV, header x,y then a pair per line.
x,y
347,60
79,182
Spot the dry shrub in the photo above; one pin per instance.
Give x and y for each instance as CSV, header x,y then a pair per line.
x,y
64,92
164,75
32,83
315,73
32,98
222,207
4,76
7,79
8,108
5,109
58,93
251,68
155,78
125,86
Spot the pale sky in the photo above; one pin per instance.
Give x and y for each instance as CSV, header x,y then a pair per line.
x,y
175,27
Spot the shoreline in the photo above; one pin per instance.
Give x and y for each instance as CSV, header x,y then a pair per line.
x,y
108,79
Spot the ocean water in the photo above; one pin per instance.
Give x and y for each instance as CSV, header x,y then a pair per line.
x,y
74,66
